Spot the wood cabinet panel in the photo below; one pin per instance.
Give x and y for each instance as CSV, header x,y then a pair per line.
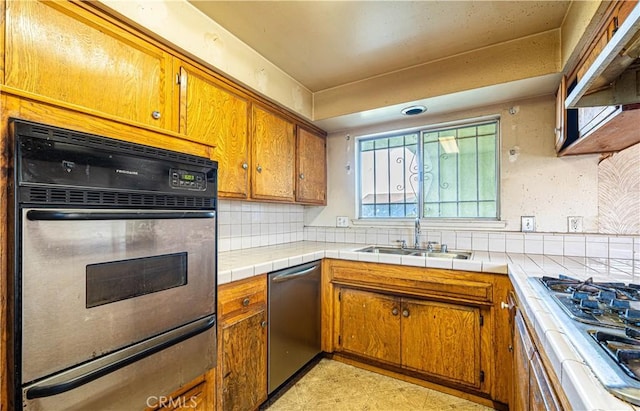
x,y
213,115
443,340
541,393
370,325
311,173
198,395
273,150
425,282
63,51
242,344
240,297
243,363
533,388
522,351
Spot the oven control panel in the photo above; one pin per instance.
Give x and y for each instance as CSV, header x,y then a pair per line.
x,y
189,180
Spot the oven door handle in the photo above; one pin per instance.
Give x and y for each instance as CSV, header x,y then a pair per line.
x,y
109,363
56,215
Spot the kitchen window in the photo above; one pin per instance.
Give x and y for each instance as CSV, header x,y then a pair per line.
x,y
447,172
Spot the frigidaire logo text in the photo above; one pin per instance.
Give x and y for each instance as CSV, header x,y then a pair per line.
x,y
133,173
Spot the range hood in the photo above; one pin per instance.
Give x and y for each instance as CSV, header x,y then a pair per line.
x,y
614,76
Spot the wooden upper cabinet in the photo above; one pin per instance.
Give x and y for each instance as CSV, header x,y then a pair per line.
x,y
64,51
211,114
616,14
561,115
311,172
273,149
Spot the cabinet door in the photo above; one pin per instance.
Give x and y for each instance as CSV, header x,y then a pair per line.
x,y
541,393
213,115
244,362
522,352
62,51
311,173
273,149
561,115
442,340
369,325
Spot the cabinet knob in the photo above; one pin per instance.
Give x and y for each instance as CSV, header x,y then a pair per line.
x,y
245,166
394,311
259,168
156,115
245,302
263,324
301,176
405,313
504,305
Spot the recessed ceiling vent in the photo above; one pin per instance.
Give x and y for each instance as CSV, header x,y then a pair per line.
x,y
413,110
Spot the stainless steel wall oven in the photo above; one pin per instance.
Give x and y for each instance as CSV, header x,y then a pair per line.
x,y
113,294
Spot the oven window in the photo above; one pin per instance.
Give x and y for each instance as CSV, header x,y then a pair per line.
x,y
120,280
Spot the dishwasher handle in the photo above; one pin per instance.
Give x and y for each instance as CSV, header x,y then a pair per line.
x,y
290,276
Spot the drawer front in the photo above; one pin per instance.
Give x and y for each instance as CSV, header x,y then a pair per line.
x,y
424,282
242,296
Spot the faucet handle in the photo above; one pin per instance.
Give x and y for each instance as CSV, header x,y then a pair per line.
x,y
403,243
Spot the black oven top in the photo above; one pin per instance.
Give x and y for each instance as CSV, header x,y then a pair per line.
x,y
55,166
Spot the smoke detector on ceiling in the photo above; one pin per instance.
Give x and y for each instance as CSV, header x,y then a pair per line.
x,y
413,110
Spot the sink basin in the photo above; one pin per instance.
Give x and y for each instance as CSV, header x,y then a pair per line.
x,y
460,255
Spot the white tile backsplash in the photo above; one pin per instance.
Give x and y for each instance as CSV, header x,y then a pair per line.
x,y
246,224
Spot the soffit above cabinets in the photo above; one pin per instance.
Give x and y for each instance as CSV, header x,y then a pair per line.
x,y
361,60
325,44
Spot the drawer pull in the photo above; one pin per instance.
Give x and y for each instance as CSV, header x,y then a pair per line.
x,y
394,311
245,302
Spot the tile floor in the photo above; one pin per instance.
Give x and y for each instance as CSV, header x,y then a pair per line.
x,y
335,386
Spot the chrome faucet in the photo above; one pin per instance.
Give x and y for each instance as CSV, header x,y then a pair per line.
x,y
417,233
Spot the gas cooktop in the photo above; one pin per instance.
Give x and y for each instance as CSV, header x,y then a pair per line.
x,y
608,304
607,318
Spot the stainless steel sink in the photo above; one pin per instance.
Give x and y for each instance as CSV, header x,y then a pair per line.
x,y
419,252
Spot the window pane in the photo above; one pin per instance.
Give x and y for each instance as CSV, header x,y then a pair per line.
x,y
366,145
389,176
469,210
459,173
468,170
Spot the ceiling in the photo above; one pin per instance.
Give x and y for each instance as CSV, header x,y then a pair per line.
x,y
325,44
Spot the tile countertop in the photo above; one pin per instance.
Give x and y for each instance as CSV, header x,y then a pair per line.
x,y
582,388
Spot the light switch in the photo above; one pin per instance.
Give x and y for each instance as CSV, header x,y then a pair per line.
x,y
528,223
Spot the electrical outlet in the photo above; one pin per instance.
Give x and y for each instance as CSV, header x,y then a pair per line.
x,y
528,223
575,224
342,221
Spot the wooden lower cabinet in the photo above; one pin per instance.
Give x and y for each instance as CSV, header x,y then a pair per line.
x,y
242,344
369,325
444,327
198,395
442,340
533,389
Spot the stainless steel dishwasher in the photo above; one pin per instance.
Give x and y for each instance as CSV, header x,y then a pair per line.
x,y
294,321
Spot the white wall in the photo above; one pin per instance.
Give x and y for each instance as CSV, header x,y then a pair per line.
x,y
533,182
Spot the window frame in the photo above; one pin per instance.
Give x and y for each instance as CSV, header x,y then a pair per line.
x,y
421,131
